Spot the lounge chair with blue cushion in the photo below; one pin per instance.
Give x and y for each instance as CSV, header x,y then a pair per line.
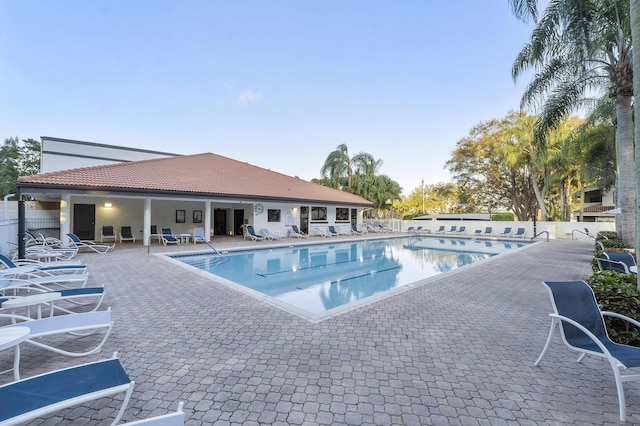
x,y
107,233
488,231
81,324
413,230
452,230
126,234
38,396
624,257
506,233
461,230
252,234
612,265
44,268
355,230
520,233
295,232
440,230
80,244
167,237
332,231
64,300
582,328
172,419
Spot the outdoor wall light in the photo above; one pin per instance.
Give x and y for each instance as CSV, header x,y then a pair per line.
x,y
108,205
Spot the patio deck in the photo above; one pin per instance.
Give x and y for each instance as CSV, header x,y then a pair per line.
x,y
458,351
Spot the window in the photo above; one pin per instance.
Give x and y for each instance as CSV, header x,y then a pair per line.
x,y
318,214
273,215
342,214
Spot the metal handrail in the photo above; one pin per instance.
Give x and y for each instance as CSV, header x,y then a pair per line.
x,y
201,238
540,233
588,234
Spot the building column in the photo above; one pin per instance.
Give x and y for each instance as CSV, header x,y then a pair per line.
x,y
146,225
65,218
207,220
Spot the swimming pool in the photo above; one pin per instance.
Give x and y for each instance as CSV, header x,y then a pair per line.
x,y
320,278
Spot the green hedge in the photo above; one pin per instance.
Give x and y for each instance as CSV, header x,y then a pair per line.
x,y
616,292
503,217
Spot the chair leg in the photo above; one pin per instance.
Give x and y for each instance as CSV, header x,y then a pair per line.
x,y
621,399
546,345
125,402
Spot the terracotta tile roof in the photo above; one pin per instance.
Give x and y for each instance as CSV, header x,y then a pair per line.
x,y
205,174
597,208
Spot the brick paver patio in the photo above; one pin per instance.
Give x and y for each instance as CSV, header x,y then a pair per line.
x,y
458,350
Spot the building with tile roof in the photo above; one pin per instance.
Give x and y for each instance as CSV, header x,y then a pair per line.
x,y
185,192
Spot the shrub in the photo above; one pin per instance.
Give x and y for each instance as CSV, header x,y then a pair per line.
x,y
618,293
502,217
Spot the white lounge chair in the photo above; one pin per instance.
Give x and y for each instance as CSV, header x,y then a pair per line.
x,y
98,248
172,419
252,234
167,237
46,283
82,324
341,231
60,389
295,232
198,234
321,232
269,235
44,268
375,229
63,300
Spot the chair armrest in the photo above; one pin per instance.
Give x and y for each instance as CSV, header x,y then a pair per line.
x,y
622,317
589,334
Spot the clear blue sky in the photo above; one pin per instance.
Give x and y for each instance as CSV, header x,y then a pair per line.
x,y
278,84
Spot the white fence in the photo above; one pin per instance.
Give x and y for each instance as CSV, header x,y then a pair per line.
x,y
8,234
555,230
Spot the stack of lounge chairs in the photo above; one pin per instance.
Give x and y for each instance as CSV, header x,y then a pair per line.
x,y
39,304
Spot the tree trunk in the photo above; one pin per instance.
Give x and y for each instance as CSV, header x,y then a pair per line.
x,y
539,196
635,35
626,168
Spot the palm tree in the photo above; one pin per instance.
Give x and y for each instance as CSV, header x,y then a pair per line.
x,y
579,47
339,168
635,35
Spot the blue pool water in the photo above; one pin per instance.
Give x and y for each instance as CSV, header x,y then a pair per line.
x,y
320,277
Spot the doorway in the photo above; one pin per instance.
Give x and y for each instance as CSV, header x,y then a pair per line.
x,y
304,219
238,221
84,221
219,222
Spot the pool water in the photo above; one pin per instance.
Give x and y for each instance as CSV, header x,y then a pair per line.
x,y
320,277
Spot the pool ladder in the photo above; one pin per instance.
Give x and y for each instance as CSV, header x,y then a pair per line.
x,y
540,233
207,243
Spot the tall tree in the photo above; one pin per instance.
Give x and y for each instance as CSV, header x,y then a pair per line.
x,y
481,166
578,48
17,159
635,35
340,168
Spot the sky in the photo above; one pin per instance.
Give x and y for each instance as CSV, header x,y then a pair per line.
x,y
278,84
